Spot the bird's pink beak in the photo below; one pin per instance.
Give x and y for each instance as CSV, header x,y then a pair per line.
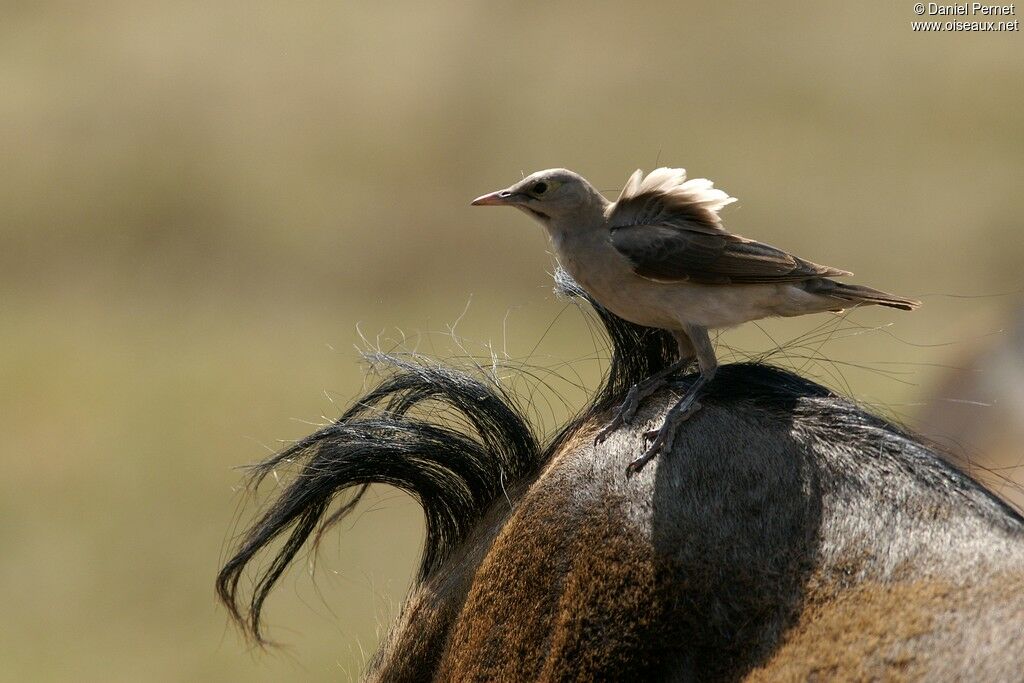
x,y
499,198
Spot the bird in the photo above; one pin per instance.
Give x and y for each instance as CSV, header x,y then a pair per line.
x,y
659,256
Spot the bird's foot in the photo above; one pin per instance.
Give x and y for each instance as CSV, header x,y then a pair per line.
x,y
638,392
623,416
661,440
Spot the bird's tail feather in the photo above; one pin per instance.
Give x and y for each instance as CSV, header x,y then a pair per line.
x,y
860,294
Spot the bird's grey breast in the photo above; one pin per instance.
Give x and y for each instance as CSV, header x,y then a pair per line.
x,y
591,259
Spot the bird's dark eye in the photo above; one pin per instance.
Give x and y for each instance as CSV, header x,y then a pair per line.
x,y
539,188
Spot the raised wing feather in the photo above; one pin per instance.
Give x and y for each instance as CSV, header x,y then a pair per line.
x,y
669,229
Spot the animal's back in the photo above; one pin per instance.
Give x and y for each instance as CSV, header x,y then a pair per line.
x,y
765,547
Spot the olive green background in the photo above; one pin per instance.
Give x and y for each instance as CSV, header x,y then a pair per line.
x,y
209,208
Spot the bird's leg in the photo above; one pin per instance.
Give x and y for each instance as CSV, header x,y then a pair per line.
x,y
661,439
639,392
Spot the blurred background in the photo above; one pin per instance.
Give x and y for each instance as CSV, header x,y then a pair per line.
x,y
208,209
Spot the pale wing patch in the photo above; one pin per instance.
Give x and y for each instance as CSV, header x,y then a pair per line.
x,y
696,196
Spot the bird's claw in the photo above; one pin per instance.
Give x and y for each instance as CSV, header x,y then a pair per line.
x,y
661,440
636,465
623,416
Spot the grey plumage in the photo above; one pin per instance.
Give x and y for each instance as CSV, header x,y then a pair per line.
x,y
659,256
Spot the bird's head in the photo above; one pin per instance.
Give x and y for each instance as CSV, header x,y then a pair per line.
x,y
557,198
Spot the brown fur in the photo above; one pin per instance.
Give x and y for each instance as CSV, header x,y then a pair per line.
x,y
543,596
897,631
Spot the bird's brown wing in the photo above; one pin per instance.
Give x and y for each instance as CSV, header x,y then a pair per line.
x,y
675,254
669,230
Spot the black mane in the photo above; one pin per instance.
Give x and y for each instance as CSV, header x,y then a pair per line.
x,y
453,470
473,444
